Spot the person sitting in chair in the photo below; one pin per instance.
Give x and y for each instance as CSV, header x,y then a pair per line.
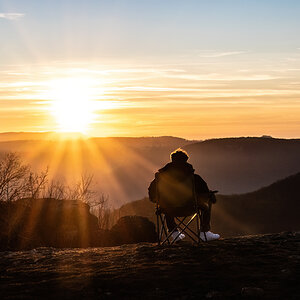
x,y
180,165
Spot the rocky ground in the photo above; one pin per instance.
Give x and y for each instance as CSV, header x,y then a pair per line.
x,y
251,267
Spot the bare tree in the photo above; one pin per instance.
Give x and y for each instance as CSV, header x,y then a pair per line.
x,y
100,208
86,188
82,190
36,183
55,189
18,181
86,191
12,177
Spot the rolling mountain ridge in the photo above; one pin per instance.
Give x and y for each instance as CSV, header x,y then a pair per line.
x,y
124,167
274,208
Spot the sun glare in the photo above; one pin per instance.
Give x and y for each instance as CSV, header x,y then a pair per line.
x,y
72,104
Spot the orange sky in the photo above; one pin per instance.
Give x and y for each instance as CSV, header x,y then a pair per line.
x,y
198,70
188,100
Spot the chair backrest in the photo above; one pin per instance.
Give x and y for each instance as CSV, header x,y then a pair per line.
x,y
176,194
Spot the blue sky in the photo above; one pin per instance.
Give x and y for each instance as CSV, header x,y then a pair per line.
x,y
119,29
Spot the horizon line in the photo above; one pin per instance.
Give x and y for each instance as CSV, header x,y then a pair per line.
x,y
87,136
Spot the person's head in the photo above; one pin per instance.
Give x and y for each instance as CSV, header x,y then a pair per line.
x,y
179,155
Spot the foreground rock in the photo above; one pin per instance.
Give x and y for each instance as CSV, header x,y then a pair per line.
x,y
254,267
30,223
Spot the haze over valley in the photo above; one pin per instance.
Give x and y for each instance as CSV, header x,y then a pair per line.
x,y
124,167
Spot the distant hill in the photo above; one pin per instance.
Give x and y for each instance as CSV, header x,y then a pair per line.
x,y
23,136
123,167
239,165
271,209
133,141
15,136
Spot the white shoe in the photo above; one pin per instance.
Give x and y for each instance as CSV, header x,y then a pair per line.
x,y
209,236
177,236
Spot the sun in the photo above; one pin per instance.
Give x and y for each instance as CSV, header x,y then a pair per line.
x,y
72,104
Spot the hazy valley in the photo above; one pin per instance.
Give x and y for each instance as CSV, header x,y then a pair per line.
x,y
124,167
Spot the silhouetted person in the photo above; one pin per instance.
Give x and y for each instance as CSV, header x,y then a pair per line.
x,y
179,165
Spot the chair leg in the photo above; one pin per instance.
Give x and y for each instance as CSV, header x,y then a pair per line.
x,y
181,226
191,232
201,219
177,228
168,236
161,232
185,227
164,230
158,229
198,226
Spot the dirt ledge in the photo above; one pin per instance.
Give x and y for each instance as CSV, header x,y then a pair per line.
x,y
249,267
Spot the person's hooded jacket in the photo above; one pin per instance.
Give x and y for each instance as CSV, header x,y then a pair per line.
x,y
179,170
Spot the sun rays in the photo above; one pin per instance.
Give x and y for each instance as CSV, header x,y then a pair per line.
x,y
115,164
119,167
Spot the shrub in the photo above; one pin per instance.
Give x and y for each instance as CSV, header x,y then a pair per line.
x,y
133,229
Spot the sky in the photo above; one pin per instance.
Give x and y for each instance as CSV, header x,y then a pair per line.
x,y
194,69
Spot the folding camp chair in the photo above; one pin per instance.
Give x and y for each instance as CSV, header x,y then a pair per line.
x,y
176,197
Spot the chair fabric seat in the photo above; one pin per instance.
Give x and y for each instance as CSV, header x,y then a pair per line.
x,y
176,194
184,211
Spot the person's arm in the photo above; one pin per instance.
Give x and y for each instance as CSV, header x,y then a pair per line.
x,y
200,185
202,188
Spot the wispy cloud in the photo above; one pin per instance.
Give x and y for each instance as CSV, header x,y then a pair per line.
x,y
220,54
11,16
224,77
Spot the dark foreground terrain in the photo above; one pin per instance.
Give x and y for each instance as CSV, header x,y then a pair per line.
x,y
251,267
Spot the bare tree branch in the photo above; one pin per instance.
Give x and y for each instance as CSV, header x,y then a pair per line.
x,y
18,181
